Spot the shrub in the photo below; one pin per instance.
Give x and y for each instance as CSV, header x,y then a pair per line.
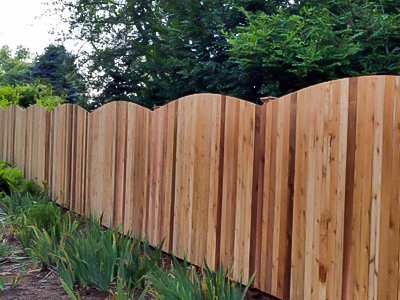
x,y
8,96
11,179
29,94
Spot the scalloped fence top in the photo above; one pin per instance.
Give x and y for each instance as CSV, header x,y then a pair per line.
x,y
303,190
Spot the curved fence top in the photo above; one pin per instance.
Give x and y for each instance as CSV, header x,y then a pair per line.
x,y
303,190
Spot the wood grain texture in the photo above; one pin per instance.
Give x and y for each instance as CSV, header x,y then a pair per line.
x,y
319,192
303,191
237,186
196,181
8,131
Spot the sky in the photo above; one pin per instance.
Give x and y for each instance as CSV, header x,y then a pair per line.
x,y
22,23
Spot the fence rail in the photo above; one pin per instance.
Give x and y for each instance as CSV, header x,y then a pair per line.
x,y
303,190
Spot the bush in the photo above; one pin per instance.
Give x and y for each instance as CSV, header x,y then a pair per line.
x,y
8,96
11,179
30,94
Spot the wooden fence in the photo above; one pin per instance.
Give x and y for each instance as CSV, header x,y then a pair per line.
x,y
303,190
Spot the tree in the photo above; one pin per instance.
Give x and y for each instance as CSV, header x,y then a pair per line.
x,y
56,66
154,51
318,41
14,69
151,52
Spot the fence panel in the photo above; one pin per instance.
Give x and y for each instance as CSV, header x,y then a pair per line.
x,y
303,191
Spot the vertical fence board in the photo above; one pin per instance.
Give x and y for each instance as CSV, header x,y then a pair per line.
x,y
237,184
196,181
8,134
161,142
20,139
393,255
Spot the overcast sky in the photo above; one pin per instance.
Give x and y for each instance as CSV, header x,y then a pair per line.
x,y
22,23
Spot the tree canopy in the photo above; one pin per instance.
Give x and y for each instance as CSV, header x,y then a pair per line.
x,y
14,69
56,66
151,52
154,51
49,79
319,41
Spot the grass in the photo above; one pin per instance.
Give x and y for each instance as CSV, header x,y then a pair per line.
x,y
92,256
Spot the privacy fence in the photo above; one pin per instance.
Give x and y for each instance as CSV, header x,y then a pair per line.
x,y
303,190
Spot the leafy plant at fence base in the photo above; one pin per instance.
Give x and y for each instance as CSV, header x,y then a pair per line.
x,y
71,294
184,283
3,251
90,257
97,257
11,180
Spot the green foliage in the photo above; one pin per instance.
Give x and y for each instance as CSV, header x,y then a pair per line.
x,y
318,41
71,294
17,204
10,178
123,292
43,216
40,225
43,248
30,94
151,52
3,249
3,252
96,257
184,283
89,258
93,256
135,260
14,69
57,67
8,96
49,80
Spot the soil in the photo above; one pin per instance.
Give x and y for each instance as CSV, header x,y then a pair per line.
x,y
25,281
